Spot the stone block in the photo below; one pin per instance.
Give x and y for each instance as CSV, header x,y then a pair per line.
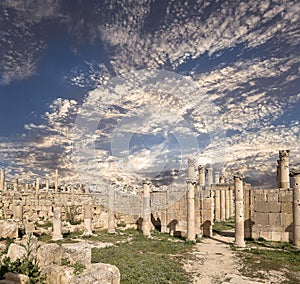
x,y
17,278
8,229
16,252
287,207
274,219
276,236
286,219
78,252
260,218
272,196
49,254
285,196
267,207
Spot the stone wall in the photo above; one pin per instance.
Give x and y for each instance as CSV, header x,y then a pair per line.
x,y
271,214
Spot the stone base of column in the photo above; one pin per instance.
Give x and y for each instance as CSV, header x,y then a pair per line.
x,y
57,238
239,244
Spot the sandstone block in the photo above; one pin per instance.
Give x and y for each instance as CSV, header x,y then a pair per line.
x,y
260,218
8,229
17,278
287,207
48,254
16,252
286,219
274,219
285,196
78,252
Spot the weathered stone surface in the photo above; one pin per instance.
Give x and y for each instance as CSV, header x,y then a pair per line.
x,y
16,251
57,274
267,207
78,252
17,278
8,229
48,254
99,273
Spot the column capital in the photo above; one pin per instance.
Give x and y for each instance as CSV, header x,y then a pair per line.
x,y
284,154
147,181
191,162
238,175
294,172
190,180
201,168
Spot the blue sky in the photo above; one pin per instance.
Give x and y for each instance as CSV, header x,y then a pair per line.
x,y
58,56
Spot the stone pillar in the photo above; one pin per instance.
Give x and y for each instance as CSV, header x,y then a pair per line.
x,y
80,188
16,183
47,185
190,209
56,181
209,176
217,178
146,225
278,176
201,174
111,208
2,180
284,169
164,214
231,205
296,207
239,210
197,212
18,212
57,225
227,204
26,186
191,168
217,205
37,185
87,220
223,204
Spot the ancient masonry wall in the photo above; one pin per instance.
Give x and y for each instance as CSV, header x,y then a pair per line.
x,y
270,214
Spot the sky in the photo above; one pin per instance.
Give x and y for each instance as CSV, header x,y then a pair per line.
x,y
132,89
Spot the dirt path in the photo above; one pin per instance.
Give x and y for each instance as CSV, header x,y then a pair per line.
x,y
213,261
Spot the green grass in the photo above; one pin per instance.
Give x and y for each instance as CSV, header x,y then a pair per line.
x,y
219,227
265,256
147,261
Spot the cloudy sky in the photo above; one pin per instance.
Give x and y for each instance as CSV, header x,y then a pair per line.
x,y
132,89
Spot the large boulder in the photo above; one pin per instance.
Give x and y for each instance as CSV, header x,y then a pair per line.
x,y
8,229
16,278
78,252
57,274
99,273
16,252
49,254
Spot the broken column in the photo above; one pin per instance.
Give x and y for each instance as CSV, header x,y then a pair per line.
x,y
201,174
37,185
18,212
57,225
217,205
111,208
164,214
239,210
191,200
87,220
146,225
217,178
47,185
2,180
209,176
16,183
56,181
284,170
222,179
296,207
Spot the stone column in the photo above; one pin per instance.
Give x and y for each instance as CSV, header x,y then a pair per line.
x,y
223,204
16,183
87,220
164,214
47,185
296,207
201,173
222,179
227,204
190,209
231,205
197,211
278,176
37,185
80,188
239,210
146,225
57,225
217,205
284,169
26,186
18,212
2,180
111,208
209,176
217,178
56,181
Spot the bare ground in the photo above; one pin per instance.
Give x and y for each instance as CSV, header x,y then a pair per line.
x,y
213,261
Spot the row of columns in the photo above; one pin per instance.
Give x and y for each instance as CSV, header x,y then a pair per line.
x,y
224,207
